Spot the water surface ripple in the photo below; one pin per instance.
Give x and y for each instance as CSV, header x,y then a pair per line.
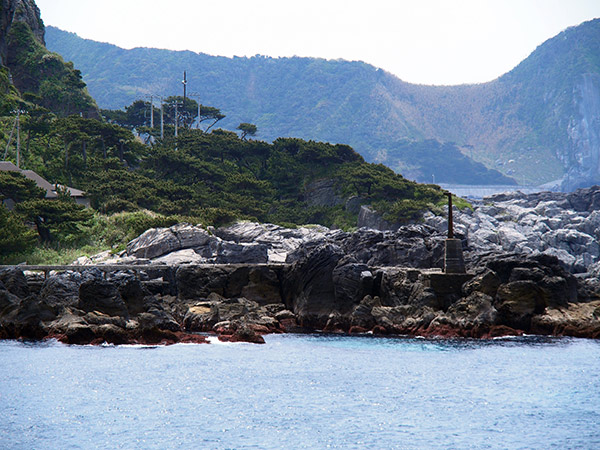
x,y
303,392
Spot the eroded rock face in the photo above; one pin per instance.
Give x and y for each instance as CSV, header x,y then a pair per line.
x,y
19,11
566,226
280,242
103,296
584,134
15,282
308,286
325,289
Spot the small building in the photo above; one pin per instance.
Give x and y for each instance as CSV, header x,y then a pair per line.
x,y
51,190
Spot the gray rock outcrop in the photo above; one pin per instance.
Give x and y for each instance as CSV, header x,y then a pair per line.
x,y
566,226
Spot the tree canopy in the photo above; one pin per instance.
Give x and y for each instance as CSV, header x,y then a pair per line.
x,y
247,129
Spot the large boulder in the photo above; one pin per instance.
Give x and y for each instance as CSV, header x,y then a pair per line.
x,y
517,302
486,282
135,295
280,241
157,318
579,320
195,282
103,296
474,311
260,284
201,316
308,286
156,242
8,302
26,318
362,315
352,281
62,289
153,243
586,199
410,246
15,282
80,333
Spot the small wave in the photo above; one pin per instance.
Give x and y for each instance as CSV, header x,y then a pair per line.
x,y
508,337
215,340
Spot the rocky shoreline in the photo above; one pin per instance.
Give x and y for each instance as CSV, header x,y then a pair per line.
x,y
532,265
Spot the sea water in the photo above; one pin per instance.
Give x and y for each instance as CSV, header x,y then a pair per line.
x,y
303,392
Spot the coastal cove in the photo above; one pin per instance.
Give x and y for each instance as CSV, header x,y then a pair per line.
x,y
303,391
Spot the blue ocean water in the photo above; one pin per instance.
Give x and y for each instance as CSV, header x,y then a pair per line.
x,y
303,392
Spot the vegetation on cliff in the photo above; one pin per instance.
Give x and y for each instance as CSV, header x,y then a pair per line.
x,y
43,77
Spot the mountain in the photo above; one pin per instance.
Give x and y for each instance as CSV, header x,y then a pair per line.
x,y
538,123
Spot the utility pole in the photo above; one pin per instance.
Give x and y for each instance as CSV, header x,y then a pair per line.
x,y
151,97
184,82
18,138
17,125
152,112
197,96
176,118
162,119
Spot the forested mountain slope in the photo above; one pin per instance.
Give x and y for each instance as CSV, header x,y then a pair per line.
x,y
535,123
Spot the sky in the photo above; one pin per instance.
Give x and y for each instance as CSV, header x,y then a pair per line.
x,y
435,42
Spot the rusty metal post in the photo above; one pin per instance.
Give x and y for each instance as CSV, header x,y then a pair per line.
x,y
450,220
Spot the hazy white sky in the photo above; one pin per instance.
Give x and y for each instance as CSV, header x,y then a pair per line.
x,y
420,41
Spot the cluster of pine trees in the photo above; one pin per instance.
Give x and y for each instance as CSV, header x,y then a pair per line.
x,y
144,166
213,177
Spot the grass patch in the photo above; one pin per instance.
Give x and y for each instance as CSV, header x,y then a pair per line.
x,y
52,256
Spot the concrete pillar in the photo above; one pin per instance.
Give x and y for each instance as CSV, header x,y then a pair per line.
x,y
453,256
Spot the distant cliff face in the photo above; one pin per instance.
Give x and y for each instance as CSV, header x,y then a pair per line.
x,y
583,154
19,11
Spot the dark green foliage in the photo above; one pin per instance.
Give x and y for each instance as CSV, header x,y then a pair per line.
x,y
136,115
220,177
268,181
16,187
9,96
55,220
15,236
187,110
247,129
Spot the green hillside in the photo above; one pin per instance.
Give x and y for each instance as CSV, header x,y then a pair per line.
x,y
520,124
332,101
